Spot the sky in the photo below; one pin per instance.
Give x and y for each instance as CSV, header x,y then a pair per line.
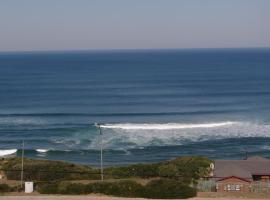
x,y
31,25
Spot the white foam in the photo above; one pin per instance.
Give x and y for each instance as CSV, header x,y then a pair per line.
x,y
7,152
21,121
169,126
42,150
129,135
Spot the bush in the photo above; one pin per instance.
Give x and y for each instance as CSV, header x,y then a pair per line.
x,y
168,189
5,188
121,188
44,170
162,189
184,169
73,188
138,170
169,171
48,188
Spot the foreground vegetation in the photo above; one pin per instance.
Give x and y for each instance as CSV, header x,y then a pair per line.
x,y
161,188
168,179
4,188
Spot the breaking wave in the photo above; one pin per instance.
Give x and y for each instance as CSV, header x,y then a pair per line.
x,y
7,152
42,150
169,126
135,135
125,136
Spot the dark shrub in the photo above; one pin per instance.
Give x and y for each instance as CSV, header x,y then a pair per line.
x,y
161,189
48,188
185,169
138,170
121,188
169,171
5,188
44,170
168,189
73,188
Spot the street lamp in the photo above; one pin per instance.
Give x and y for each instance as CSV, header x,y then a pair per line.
x,y
22,164
101,151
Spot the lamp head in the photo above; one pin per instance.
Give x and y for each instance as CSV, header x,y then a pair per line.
x,y
96,124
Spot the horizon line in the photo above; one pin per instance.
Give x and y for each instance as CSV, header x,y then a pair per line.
x,y
127,49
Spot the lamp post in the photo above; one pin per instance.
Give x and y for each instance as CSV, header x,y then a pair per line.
x,y
22,164
101,151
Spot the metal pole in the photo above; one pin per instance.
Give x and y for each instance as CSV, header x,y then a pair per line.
x,y
101,153
22,164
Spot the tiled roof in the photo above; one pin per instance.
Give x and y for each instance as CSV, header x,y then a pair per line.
x,y
242,168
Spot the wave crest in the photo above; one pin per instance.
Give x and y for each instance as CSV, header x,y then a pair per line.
x,y
169,126
7,152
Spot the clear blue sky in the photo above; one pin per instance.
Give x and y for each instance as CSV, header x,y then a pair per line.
x,y
113,24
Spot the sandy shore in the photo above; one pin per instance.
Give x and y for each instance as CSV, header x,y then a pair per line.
x,y
90,197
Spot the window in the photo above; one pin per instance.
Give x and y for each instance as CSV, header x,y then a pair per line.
x,y
229,187
237,187
233,187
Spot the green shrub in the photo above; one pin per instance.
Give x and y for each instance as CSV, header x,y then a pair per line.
x,y
73,188
162,189
138,170
5,188
168,189
185,169
44,170
121,188
169,170
48,188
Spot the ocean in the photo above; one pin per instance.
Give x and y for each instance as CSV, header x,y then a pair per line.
x,y
152,105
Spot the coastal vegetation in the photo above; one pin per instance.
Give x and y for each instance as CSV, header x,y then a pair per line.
x,y
4,188
159,188
175,178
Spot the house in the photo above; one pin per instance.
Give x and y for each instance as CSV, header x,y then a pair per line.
x,y
238,175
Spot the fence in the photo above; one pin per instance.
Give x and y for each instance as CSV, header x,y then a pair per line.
x,y
260,187
206,186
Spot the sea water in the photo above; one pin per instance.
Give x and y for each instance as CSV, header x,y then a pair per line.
x,y
152,105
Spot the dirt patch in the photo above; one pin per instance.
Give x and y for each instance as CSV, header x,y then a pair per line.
x,y
231,195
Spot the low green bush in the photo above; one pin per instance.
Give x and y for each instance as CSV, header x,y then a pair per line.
x,y
169,171
168,189
121,188
138,170
48,188
185,169
5,188
45,170
162,189
74,188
